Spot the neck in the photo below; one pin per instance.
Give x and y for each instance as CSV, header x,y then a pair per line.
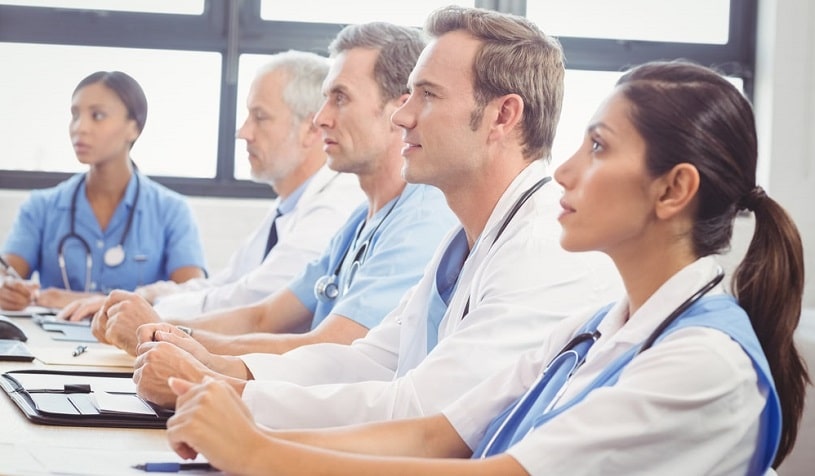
x,y
108,180
644,268
308,167
382,184
474,198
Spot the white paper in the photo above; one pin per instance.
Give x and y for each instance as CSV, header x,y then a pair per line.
x,y
121,403
89,461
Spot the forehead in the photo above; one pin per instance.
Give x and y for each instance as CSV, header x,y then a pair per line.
x,y
615,111
97,94
447,61
353,70
267,88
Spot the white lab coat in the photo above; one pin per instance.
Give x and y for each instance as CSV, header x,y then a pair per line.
x,y
518,288
303,234
688,405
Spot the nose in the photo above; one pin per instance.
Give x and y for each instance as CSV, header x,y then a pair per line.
x,y
322,119
403,116
565,172
75,124
243,131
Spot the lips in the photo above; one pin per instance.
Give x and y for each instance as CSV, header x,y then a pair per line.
x,y
409,146
566,207
80,147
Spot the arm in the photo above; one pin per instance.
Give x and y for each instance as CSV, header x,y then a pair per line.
x,y
280,312
185,273
335,328
211,419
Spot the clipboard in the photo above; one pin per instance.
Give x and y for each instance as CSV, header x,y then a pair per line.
x,y
82,398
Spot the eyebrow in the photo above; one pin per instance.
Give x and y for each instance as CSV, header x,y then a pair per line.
x,y
424,83
337,88
599,125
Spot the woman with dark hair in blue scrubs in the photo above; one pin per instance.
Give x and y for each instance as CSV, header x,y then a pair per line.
x,y
109,228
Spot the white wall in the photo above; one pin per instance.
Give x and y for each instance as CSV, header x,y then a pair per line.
x,y
785,107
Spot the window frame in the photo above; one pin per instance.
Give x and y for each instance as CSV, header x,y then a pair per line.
x,y
234,27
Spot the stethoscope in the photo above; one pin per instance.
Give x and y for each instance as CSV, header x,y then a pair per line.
x,y
570,358
113,256
510,215
327,288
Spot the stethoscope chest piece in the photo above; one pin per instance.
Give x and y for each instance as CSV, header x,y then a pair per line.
x,y
115,256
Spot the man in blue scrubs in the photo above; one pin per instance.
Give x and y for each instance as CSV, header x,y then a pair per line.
x,y
375,258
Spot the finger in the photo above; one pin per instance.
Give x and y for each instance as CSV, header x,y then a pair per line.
x,y
66,312
85,309
180,386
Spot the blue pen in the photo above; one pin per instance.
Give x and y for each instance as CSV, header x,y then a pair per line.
x,y
173,467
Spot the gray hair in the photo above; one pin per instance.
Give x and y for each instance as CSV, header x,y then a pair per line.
x,y
305,73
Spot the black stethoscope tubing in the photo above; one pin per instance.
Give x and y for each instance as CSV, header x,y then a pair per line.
x,y
512,212
116,254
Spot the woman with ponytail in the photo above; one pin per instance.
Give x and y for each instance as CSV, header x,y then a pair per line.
x,y
678,377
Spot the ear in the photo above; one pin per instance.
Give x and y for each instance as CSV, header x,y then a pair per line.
x,y
678,189
132,131
509,110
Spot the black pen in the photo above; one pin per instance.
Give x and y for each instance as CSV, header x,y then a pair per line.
x,y
173,467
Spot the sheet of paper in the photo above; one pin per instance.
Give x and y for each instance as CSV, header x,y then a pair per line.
x,y
95,356
121,403
14,459
89,461
29,311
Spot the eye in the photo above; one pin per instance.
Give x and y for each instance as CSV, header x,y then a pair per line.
x,y
428,94
98,116
596,146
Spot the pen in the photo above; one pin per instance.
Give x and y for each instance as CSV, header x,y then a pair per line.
x,y
173,467
80,349
9,269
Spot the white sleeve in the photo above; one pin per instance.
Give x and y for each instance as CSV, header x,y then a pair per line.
x,y
285,392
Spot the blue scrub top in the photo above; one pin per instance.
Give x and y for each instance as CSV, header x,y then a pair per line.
x,y
399,250
162,238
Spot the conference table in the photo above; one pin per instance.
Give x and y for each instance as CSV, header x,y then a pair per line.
x,y
30,448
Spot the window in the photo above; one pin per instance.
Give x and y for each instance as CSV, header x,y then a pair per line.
x,y
688,21
410,13
196,59
182,89
190,7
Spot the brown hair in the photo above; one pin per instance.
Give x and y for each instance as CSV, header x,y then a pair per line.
x,y
515,57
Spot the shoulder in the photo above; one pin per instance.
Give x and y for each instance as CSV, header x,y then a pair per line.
x,y
155,191
58,196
